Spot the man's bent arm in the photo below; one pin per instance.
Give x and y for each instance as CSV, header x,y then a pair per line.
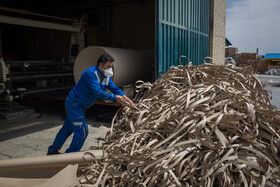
x,y
96,89
114,89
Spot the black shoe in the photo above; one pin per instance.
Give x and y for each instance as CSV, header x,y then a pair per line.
x,y
54,152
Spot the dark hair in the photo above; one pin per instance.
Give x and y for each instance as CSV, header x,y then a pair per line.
x,y
106,57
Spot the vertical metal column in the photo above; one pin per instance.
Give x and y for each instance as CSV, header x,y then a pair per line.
x,y
1,50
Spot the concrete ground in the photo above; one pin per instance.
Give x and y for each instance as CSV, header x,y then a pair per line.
x,y
273,83
275,96
32,138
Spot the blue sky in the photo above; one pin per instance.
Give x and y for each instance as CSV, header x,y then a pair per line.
x,y
254,24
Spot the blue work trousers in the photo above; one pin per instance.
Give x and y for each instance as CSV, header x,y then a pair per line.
x,y
74,122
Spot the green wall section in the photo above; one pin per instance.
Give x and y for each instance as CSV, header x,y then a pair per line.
x,y
182,28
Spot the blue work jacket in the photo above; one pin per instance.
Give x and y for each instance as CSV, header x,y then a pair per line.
x,y
91,88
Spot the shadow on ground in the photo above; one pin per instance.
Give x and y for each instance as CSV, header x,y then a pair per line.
x,y
52,114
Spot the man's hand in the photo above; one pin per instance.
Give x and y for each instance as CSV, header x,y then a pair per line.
x,y
119,99
131,104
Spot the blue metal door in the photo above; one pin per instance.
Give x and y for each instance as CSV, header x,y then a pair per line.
x,y
182,28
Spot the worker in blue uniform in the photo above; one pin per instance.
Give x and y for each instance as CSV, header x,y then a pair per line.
x,y
90,88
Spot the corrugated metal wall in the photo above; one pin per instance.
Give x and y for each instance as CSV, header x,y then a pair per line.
x,y
182,28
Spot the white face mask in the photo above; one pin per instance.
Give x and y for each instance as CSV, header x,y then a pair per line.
x,y
108,72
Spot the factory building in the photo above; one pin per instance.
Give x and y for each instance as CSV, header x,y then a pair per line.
x,y
40,41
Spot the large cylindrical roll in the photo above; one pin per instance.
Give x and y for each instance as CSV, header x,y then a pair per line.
x,y
129,66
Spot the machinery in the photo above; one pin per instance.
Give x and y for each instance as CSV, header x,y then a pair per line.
x,y
4,92
24,79
19,78
44,69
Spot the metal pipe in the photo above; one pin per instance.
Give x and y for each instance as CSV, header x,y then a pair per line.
x,y
39,77
35,72
39,24
38,63
33,91
7,9
27,64
31,62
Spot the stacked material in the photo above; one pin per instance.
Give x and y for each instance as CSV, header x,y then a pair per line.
x,y
231,51
256,66
262,66
248,56
204,125
243,59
